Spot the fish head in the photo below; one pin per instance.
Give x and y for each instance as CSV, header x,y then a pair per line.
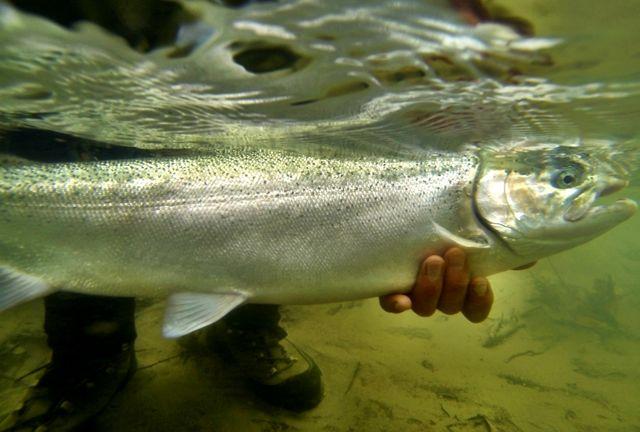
x,y
543,198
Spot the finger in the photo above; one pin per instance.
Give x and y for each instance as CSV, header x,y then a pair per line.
x,y
426,291
395,303
456,280
526,266
479,300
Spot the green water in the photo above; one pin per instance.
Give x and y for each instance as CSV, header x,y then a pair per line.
x,y
558,353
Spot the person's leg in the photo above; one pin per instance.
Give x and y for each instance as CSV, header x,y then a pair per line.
x,y
91,339
251,339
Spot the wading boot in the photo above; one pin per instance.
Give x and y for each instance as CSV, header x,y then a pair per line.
x,y
93,357
251,340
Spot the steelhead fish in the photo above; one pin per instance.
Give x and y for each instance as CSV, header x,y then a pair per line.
x,y
212,232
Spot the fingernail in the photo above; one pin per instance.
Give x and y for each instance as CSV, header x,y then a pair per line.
x,y
434,271
480,288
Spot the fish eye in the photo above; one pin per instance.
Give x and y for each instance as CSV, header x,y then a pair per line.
x,y
567,178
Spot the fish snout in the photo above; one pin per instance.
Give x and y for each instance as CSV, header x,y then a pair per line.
x,y
613,185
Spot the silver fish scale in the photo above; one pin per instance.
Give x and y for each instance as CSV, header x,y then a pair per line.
x,y
280,228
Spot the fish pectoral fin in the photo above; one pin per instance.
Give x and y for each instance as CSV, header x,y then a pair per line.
x,y
189,311
479,242
17,287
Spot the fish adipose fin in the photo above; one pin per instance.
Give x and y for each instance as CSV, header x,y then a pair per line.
x,y
188,311
16,288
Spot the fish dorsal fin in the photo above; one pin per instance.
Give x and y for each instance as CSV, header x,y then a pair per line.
x,y
188,311
16,288
480,242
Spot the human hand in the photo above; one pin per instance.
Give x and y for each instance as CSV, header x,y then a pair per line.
x,y
445,284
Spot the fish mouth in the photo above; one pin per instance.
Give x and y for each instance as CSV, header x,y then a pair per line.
x,y
601,218
619,210
584,204
613,186
625,207
596,220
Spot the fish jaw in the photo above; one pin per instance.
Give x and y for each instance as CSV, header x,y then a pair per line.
x,y
596,221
